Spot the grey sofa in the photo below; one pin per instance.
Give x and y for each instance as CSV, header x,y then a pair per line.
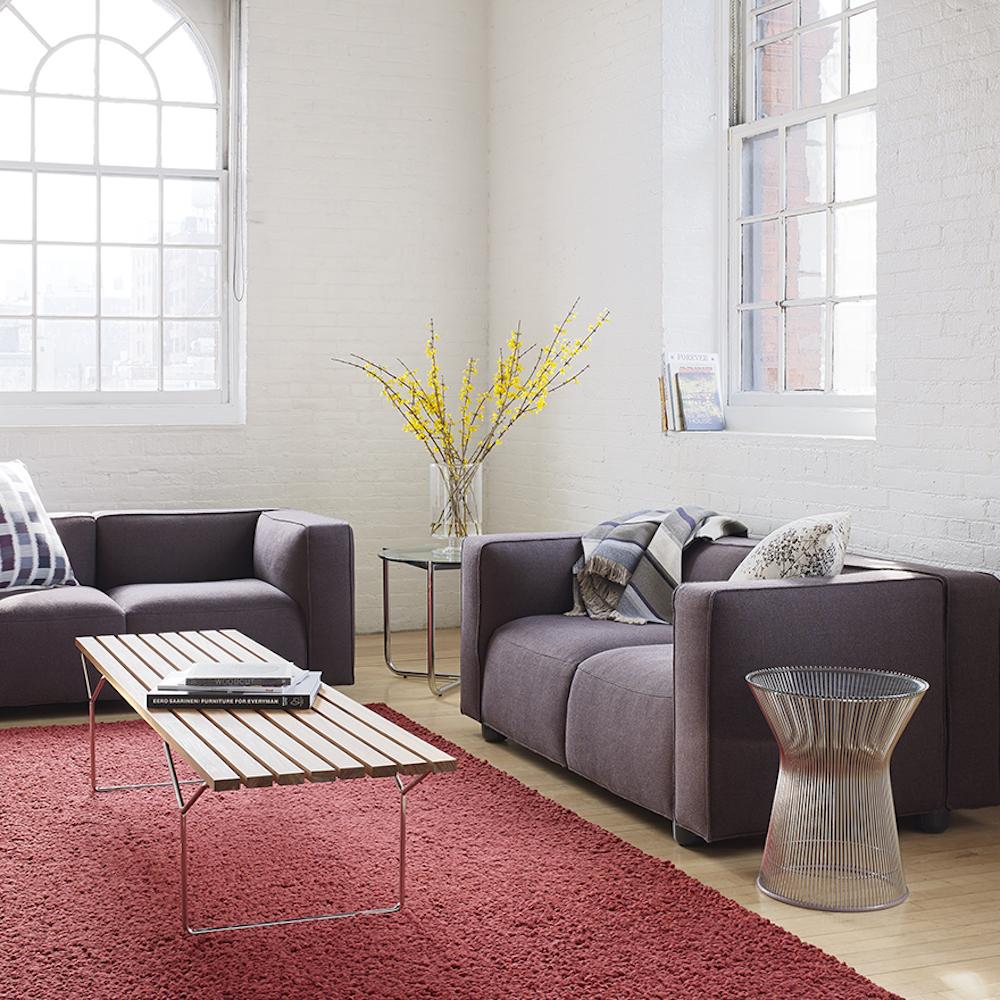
x,y
661,715
284,577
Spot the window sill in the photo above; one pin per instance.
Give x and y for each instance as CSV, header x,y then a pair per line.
x,y
123,415
856,422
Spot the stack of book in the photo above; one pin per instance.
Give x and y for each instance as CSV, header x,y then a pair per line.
x,y
267,684
692,398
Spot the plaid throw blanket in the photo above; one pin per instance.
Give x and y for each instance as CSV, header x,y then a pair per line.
x,y
631,566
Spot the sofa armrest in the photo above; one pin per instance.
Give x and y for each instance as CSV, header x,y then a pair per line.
x,y
311,559
505,577
725,756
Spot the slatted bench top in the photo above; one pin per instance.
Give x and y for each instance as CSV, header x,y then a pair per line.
x,y
336,738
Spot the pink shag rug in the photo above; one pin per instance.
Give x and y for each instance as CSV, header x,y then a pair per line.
x,y
510,895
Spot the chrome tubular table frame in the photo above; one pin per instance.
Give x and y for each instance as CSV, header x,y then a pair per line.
x,y
184,807
453,680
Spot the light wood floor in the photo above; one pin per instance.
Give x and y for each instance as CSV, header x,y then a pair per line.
x,y
944,942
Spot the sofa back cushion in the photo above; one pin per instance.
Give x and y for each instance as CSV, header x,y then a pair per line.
x,y
174,546
705,560
79,537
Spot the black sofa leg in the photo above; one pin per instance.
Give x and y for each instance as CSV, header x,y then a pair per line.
x,y
685,838
491,735
936,821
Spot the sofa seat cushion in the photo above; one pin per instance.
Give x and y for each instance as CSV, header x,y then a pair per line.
x,y
620,724
252,606
529,668
40,664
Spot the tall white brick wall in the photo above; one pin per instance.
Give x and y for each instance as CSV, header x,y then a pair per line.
x,y
367,215
576,206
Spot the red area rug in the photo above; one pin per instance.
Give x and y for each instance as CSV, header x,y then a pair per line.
x,y
511,896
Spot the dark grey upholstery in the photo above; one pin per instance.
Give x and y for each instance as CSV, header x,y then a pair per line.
x,y
251,606
284,577
635,760
530,668
596,696
39,664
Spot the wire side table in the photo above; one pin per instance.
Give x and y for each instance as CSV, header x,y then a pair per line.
x,y
832,842
430,559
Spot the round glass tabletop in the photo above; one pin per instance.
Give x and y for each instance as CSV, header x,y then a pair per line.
x,y
422,555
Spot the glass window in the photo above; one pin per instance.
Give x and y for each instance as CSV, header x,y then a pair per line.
x,y
112,232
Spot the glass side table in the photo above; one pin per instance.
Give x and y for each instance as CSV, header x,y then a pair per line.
x,y
832,842
430,559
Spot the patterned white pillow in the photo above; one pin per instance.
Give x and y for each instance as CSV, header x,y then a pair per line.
x,y
32,554
811,546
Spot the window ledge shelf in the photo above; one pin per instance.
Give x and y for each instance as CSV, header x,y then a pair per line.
x,y
123,415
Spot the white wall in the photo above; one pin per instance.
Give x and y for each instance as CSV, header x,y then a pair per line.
x,y
367,215
579,179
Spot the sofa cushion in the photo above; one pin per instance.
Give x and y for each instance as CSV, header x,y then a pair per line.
x,y
261,611
79,534
620,724
810,546
32,555
174,546
529,668
40,664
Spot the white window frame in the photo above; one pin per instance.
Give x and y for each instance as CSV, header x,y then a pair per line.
x,y
225,404
812,412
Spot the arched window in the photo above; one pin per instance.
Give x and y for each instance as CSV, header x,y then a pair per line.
x,y
113,226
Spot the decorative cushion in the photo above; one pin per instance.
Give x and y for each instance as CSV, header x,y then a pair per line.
x,y
32,554
810,546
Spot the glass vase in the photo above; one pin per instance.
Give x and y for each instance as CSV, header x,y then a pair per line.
x,y
456,504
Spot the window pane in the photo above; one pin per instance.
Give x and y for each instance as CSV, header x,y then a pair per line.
x,y
861,54
138,22
64,130
181,69
15,279
191,283
805,353
15,355
760,261
854,347
130,281
57,20
805,253
190,356
130,210
15,205
815,10
124,74
189,138
15,127
190,211
20,53
70,70
774,81
130,355
805,164
67,280
128,135
774,22
67,355
759,354
854,250
760,174
819,65
854,163
67,207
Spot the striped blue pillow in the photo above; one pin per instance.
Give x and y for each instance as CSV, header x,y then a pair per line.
x,y
32,554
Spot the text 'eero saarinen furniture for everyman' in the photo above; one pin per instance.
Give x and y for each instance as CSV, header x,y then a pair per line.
x,y
283,577
662,716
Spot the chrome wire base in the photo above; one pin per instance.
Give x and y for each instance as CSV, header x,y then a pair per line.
x,y
832,842
184,806
430,674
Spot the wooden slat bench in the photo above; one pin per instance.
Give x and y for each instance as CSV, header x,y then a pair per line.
x,y
336,739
